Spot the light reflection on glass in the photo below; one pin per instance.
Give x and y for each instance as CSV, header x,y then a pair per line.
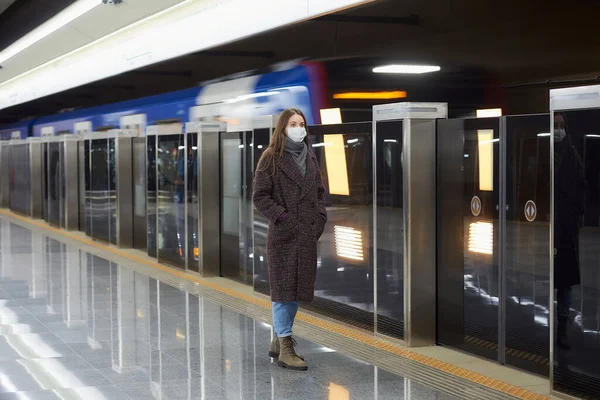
x,y
348,243
481,237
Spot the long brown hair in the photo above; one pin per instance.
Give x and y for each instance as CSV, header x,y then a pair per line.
x,y
274,153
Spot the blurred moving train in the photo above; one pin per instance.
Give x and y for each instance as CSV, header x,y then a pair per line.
x,y
347,84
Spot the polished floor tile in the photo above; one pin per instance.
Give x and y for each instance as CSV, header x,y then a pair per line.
x,y
73,325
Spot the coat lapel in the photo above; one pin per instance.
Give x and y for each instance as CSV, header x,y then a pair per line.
x,y
309,178
289,167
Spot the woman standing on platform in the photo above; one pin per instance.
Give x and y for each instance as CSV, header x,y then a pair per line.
x,y
288,191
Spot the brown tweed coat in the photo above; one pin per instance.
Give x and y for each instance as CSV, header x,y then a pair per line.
x,y
292,244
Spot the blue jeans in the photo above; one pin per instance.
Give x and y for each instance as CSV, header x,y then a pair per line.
x,y
283,317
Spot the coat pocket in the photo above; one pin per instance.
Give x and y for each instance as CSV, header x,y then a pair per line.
x,y
284,231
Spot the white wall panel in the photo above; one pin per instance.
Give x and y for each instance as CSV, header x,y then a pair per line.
x,y
191,26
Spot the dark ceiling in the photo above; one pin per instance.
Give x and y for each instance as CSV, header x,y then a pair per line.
x,y
524,47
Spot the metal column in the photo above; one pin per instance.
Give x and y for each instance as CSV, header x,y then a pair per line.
x,y
419,186
70,166
209,246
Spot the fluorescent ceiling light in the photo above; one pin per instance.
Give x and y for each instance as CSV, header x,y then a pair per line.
x,y
63,18
406,69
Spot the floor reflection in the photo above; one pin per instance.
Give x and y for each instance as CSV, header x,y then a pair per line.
x,y
76,326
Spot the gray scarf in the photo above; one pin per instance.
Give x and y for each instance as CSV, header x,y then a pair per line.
x,y
298,152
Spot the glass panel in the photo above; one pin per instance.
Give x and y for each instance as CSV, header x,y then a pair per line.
x,y
468,224
19,183
192,199
88,188
390,229
344,285
577,252
53,202
261,275
45,191
246,209
100,201
112,190
151,195
61,183
527,241
232,149
26,179
171,205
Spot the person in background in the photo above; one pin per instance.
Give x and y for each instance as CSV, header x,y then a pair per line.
x,y
569,206
288,191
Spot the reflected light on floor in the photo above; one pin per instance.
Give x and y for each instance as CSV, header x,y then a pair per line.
x,y
180,335
481,237
337,392
348,243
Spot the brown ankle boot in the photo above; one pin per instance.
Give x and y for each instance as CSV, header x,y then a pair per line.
x,y
274,351
288,357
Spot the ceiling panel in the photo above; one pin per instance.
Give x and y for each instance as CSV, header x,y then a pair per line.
x,y
107,19
101,21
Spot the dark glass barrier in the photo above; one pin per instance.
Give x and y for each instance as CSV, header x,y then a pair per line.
x,y
45,180
53,184
468,241
390,229
192,200
577,252
20,179
88,186
236,206
170,199
246,242
231,147
526,260
99,194
151,195
112,190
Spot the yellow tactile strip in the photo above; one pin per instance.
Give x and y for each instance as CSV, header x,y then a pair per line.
x,y
339,329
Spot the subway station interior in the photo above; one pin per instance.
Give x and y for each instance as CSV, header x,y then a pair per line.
x,y
459,148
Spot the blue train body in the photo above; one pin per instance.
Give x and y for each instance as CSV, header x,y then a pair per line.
x,y
300,85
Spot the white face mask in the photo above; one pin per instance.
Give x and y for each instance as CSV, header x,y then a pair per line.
x,y
559,134
296,134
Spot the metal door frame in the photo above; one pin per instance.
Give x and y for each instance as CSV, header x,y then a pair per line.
x,y
409,113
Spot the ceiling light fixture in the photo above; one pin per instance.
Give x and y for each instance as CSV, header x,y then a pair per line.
x,y
398,94
406,69
60,20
